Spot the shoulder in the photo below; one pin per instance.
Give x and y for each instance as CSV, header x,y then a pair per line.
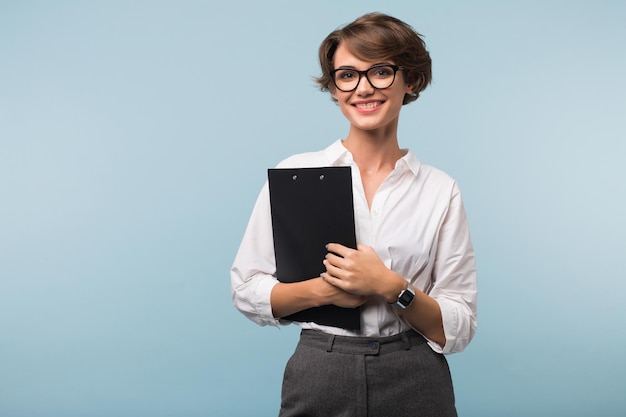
x,y
424,173
435,174
436,179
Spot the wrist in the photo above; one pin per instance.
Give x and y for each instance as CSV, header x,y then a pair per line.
x,y
405,298
318,292
322,292
395,287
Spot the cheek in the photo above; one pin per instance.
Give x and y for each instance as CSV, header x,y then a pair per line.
x,y
344,109
338,95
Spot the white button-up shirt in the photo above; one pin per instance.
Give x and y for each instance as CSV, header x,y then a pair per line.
x,y
417,226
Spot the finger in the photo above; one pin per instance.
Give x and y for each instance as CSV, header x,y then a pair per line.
x,y
334,260
333,270
332,280
339,249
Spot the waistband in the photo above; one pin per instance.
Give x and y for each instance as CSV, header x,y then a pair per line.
x,y
361,345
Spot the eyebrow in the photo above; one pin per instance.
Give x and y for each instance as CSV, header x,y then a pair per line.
x,y
351,67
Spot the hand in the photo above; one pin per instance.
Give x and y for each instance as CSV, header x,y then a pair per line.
x,y
361,272
337,296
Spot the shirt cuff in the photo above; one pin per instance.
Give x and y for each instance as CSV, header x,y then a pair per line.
x,y
457,328
262,294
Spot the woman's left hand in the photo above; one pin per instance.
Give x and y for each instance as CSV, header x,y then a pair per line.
x,y
360,271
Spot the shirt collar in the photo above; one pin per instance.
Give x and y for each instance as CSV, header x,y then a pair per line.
x,y
410,160
337,154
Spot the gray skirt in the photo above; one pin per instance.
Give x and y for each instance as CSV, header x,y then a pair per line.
x,y
338,376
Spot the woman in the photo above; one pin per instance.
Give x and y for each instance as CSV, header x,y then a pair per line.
x,y
413,272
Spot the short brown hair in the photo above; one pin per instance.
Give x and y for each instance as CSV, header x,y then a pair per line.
x,y
376,36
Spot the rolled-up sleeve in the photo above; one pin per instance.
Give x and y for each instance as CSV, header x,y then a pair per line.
x,y
253,272
454,275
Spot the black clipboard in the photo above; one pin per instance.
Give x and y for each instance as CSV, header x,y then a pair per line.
x,y
312,207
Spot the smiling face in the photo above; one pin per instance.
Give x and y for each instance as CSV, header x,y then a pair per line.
x,y
366,107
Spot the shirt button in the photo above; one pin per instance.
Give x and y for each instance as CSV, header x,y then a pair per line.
x,y
376,212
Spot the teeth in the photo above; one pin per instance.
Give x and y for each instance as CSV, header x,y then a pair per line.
x,y
368,105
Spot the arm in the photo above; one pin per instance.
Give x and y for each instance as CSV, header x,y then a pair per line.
x,y
255,290
252,272
446,314
454,277
289,298
362,272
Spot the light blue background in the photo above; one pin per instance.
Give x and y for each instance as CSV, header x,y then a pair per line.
x,y
134,138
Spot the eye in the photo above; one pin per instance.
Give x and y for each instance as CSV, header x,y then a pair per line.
x,y
381,72
345,75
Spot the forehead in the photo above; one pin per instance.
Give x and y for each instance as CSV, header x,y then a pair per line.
x,y
345,58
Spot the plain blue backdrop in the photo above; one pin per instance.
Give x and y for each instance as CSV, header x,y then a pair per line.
x,y
135,136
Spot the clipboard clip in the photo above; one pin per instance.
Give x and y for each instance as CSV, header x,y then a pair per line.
x,y
295,177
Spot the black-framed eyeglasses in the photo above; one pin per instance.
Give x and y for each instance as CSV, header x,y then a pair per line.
x,y
380,76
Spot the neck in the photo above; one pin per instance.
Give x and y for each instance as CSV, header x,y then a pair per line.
x,y
373,151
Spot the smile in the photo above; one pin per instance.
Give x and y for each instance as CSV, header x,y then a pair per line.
x,y
370,105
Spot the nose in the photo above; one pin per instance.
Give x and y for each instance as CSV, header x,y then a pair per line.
x,y
364,87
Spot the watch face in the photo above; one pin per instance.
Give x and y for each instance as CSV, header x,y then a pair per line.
x,y
405,298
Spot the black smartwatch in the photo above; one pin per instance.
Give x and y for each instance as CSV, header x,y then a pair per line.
x,y
406,297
